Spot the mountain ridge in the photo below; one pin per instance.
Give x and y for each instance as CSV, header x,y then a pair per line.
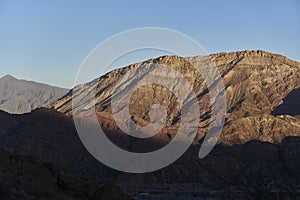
x,y
20,96
256,83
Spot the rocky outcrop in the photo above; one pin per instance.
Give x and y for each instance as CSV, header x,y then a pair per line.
x,y
266,128
20,96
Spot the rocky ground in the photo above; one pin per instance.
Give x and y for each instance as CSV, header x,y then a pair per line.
x,y
23,177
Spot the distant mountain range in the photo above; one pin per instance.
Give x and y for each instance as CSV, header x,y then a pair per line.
x,y
21,96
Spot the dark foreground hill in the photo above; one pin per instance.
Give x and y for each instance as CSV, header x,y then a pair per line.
x,y
50,136
23,177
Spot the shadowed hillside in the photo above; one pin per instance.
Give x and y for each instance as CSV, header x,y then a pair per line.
x,y
290,105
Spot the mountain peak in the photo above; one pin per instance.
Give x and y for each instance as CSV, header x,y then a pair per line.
x,y
8,77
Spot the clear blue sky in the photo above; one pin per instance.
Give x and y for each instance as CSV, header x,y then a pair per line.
x,y
47,41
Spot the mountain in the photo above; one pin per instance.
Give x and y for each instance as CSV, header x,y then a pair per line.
x,y
20,96
257,85
257,154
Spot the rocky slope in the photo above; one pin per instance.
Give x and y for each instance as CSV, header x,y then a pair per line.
x,y
20,96
51,137
254,170
23,177
256,85
266,128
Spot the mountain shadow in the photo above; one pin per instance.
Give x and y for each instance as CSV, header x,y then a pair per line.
x,y
290,106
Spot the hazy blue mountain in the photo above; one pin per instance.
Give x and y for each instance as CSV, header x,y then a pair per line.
x,y
21,96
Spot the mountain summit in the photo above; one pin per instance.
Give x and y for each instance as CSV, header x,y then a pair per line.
x,y
21,96
8,77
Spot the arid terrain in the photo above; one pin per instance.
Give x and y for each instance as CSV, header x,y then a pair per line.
x,y
257,155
